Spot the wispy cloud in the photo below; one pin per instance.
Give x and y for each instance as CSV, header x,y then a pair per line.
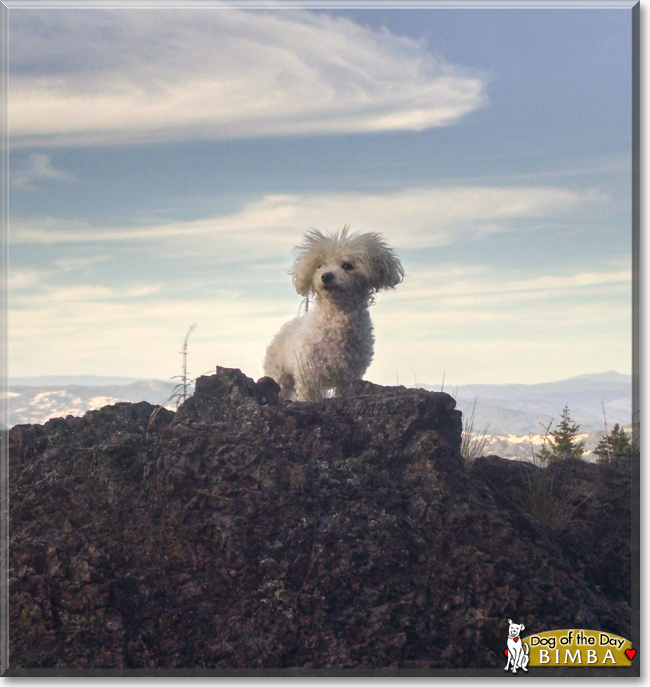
x,y
473,322
117,76
479,303
29,278
268,227
138,329
73,264
467,321
20,279
478,286
38,168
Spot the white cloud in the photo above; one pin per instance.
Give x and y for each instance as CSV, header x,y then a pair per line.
x,y
70,298
477,286
20,279
481,304
137,329
73,264
473,323
270,226
38,167
118,76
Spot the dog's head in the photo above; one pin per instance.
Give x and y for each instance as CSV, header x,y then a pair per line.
x,y
343,265
514,629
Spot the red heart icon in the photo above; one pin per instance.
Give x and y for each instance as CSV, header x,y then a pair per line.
x,y
505,651
630,653
516,639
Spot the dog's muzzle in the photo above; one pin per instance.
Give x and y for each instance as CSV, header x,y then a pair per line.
x,y
328,280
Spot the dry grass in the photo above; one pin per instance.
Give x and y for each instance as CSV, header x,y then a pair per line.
x,y
181,390
472,443
312,384
549,501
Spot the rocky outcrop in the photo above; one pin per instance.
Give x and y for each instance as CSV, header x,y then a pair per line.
x,y
241,532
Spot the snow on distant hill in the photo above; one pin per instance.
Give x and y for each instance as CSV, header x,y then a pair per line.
x,y
33,403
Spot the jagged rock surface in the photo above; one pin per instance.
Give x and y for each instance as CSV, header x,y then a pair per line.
x,y
244,533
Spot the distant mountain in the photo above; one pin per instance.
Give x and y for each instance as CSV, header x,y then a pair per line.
x,y
67,380
35,404
514,411
511,408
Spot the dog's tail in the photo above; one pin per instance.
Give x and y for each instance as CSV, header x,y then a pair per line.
x,y
526,649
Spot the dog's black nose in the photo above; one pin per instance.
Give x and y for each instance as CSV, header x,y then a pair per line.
x,y
327,278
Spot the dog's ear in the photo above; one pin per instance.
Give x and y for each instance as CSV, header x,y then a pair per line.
x,y
522,628
308,257
302,277
386,270
509,621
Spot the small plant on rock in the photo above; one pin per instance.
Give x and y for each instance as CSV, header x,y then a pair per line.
x,y
549,501
180,391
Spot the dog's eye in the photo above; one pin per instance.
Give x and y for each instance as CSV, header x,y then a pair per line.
x,y
347,266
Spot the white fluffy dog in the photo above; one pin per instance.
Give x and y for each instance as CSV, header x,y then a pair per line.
x,y
332,344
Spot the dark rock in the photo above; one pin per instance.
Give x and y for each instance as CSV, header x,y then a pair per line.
x,y
591,518
242,532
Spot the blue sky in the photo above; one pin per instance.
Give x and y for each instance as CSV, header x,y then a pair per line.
x,y
163,163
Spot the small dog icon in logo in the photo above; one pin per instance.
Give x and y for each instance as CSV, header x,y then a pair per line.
x,y
517,651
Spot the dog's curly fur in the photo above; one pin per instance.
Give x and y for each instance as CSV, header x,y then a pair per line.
x,y
332,344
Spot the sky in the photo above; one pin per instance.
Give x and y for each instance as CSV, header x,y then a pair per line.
x,y
164,162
